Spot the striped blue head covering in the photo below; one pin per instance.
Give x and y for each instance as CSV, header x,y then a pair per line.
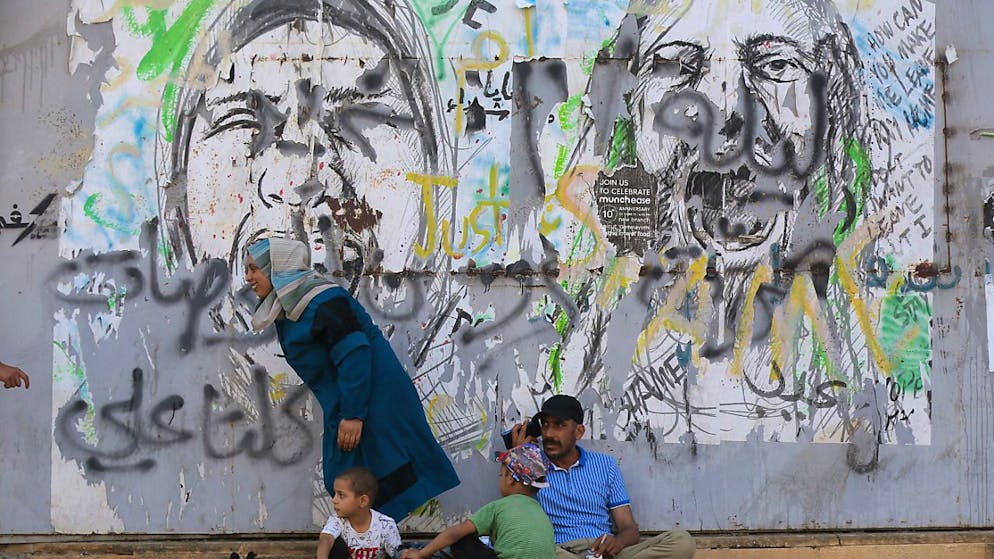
x,y
295,284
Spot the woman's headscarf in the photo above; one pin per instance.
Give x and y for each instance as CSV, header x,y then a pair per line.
x,y
287,263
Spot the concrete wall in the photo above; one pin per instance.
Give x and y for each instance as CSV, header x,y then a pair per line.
x,y
728,227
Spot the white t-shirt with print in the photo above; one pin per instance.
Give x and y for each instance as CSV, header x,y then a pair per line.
x,y
381,538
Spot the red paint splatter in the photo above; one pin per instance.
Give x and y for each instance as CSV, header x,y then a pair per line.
x,y
321,165
240,199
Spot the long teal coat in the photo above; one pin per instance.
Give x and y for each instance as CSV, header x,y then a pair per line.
x,y
347,362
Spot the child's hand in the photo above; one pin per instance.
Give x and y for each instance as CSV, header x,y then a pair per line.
x,y
412,554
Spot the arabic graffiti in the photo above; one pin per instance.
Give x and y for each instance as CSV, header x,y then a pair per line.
x,y
141,435
15,220
121,280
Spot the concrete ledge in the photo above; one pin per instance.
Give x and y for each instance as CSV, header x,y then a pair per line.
x,y
924,544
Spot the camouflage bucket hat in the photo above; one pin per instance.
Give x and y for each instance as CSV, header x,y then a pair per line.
x,y
526,464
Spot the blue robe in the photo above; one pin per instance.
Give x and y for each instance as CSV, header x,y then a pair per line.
x,y
349,365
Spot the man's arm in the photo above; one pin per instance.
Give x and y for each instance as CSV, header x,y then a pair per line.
x,y
449,536
628,529
628,533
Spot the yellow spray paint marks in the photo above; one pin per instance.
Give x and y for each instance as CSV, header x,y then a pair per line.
x,y
668,317
423,250
569,197
845,262
623,271
745,326
479,63
529,14
277,382
789,320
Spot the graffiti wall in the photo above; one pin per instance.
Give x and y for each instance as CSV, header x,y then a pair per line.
x,y
713,222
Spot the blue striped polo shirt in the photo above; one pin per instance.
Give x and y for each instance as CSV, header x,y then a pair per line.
x,y
579,498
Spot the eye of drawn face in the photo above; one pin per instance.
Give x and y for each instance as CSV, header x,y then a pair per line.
x,y
678,63
776,59
350,115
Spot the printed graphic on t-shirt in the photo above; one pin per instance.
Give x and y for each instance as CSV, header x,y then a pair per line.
x,y
381,539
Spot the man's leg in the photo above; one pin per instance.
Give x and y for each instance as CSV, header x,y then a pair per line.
x,y
574,549
674,544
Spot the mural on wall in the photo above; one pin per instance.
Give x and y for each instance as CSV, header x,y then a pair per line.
x,y
711,221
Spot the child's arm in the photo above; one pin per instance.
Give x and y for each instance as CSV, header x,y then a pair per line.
x,y
449,536
325,543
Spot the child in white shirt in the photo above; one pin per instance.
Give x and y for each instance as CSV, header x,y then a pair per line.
x,y
356,531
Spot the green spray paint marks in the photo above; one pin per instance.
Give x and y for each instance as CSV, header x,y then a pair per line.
x,y
155,22
622,150
906,338
821,194
569,113
116,300
98,212
587,63
555,356
555,363
860,186
167,255
70,367
560,167
440,20
170,51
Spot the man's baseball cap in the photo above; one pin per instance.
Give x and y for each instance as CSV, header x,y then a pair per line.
x,y
563,407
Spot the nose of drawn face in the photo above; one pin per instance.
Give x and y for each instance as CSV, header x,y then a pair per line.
x,y
721,87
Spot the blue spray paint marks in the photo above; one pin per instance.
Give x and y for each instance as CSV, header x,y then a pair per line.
x,y
904,87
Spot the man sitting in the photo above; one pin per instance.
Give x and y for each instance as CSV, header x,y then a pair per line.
x,y
587,493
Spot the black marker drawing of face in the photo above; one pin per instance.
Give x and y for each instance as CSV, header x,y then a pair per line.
x,y
320,110
738,112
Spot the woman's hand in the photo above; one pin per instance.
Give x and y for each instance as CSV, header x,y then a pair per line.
x,y
411,554
349,434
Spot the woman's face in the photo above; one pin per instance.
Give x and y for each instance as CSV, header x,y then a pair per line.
x,y
257,279
313,121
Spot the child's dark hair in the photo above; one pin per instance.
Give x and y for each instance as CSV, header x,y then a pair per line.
x,y
363,481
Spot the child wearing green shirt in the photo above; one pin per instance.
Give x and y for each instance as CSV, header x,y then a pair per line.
x,y
516,523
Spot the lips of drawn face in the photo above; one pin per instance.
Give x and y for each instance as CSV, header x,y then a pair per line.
x,y
718,207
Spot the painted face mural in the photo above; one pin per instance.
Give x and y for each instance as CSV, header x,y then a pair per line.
x,y
710,221
753,125
298,111
734,118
